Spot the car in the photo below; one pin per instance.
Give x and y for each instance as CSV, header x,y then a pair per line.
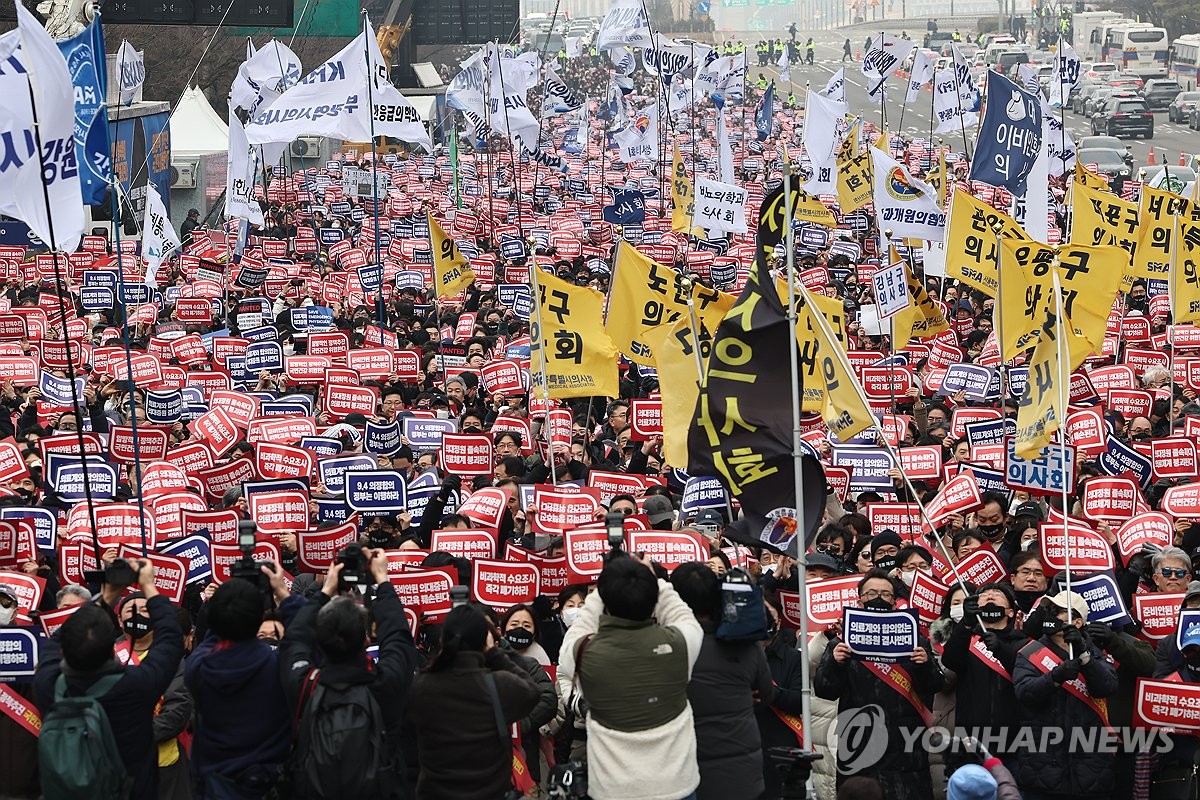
x,y
1106,143
1108,163
1045,73
1097,70
1079,98
1178,180
1161,92
1180,109
1007,60
1124,115
1125,76
1091,104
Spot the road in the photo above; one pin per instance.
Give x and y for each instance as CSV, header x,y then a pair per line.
x,y
1170,139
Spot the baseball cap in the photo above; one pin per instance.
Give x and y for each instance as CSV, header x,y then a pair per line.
x,y
822,561
1193,591
971,782
1071,600
709,517
1028,509
658,509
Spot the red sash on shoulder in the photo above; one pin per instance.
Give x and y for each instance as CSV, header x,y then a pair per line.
x,y
1044,661
795,724
896,678
20,711
980,651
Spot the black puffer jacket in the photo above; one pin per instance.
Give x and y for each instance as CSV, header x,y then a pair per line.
x,y
984,697
903,775
785,662
1053,769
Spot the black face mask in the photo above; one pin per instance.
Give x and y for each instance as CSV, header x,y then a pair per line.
x,y
472,429
887,563
137,626
271,642
519,638
1052,626
990,612
992,531
878,604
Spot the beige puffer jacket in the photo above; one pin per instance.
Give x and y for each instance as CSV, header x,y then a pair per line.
x,y
824,719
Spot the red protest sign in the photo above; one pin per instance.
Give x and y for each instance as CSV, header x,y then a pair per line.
x,y
883,383
558,512
29,589
151,443
161,478
1150,527
425,590
1167,705
669,548
1130,402
223,557
645,419
1087,432
167,510
18,543
827,598
218,480
927,596
343,400
51,621
1158,613
374,362
1174,457
306,369
334,344
1088,552
961,417
502,378
217,429
170,572
116,524
471,544
282,511
501,584
21,370
316,549
611,484
467,454
1182,501
12,463
982,566
959,494
921,463
221,526
193,310
1110,499
903,518
282,461
585,549
240,407
485,507
285,429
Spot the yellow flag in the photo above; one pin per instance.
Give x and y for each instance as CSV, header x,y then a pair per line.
x,y
829,383
923,318
971,242
1020,304
1088,178
937,179
855,187
582,360
644,294
1041,411
678,383
1185,274
451,271
683,201
1099,217
1157,214
807,208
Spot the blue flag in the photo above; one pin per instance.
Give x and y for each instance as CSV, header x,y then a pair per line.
x,y
764,114
85,61
1010,137
628,208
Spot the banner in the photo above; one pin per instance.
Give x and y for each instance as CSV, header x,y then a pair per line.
x,y
1010,137
582,360
886,636
84,54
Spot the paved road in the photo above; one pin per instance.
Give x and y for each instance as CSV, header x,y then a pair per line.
x,y
1169,138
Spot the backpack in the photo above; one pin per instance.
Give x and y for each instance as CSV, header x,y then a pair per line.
x,y
77,754
341,750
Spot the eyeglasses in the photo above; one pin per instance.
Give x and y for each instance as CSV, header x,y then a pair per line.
x,y
871,594
832,549
1030,573
1177,572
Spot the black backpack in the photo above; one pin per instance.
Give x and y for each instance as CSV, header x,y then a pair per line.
x,y
341,750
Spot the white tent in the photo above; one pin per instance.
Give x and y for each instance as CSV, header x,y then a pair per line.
x,y
195,128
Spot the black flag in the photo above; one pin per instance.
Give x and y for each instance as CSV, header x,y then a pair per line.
x,y
742,428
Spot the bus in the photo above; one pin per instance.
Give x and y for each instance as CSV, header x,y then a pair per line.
x,y
1137,46
1185,55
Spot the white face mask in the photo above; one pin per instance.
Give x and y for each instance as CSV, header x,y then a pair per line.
x,y
7,614
289,349
569,615
956,612
442,413
907,576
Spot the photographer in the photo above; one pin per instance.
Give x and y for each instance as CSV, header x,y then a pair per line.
x,y
327,677
81,654
243,720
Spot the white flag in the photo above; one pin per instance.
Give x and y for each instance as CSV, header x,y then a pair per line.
x,y
824,125
264,76
886,54
836,88
785,67
639,140
465,91
131,72
1060,145
724,149
32,59
903,204
158,235
922,73
720,206
1066,75
508,110
949,108
332,101
1037,199
574,46
557,97
625,24
239,179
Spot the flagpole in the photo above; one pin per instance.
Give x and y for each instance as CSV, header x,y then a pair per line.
x,y
374,167
998,310
1171,297
962,123
797,451
59,288
535,287
891,329
1063,380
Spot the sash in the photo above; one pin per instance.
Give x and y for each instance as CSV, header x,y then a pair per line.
x,y
896,678
1044,661
19,711
795,724
980,651
521,779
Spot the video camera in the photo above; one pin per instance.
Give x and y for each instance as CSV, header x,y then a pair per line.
x,y
246,568
614,525
354,575
795,767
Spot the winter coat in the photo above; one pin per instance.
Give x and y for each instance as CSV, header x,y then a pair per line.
x,y
985,699
18,752
904,775
824,723
784,661
1044,704
725,680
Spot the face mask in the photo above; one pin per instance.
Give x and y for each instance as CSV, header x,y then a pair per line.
x,y
519,638
569,615
271,642
990,612
887,563
1029,544
7,614
442,413
956,612
289,350
1052,626
908,576
137,626
769,569
991,531
878,604
1193,660
472,429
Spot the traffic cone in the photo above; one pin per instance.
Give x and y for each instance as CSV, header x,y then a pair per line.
x,y
858,54
1150,161
1182,159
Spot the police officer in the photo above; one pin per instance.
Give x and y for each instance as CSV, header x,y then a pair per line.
x,y
810,50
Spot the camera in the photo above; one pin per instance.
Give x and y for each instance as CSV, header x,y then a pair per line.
x,y
354,568
795,767
459,596
120,573
614,526
246,568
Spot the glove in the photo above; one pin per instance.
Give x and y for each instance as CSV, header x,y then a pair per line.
x,y
1099,633
992,640
451,483
1074,636
1066,671
970,611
